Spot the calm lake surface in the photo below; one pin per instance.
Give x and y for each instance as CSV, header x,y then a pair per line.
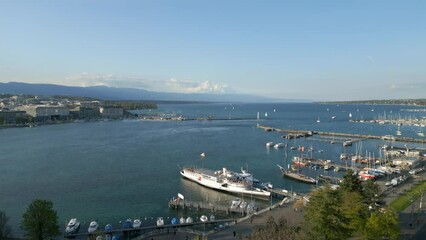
x,y
112,170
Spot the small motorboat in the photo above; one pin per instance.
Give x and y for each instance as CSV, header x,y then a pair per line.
x,y
160,221
127,224
108,228
72,226
269,144
174,221
204,218
137,223
279,145
93,226
235,203
189,220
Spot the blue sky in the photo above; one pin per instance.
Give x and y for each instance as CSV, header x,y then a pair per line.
x,y
321,50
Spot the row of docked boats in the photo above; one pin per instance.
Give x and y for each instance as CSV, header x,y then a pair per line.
x,y
74,225
275,145
238,203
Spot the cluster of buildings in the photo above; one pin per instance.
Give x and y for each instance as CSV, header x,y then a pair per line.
x,y
16,111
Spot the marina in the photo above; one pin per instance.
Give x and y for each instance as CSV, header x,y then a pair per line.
x,y
105,182
306,133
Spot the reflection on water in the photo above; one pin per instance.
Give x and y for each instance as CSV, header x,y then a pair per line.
x,y
196,192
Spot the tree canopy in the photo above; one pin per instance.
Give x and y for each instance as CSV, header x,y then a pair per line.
x,y
5,231
40,221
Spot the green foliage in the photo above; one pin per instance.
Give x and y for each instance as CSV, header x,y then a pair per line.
x,y
403,201
324,215
274,230
350,182
40,221
382,224
355,211
5,231
370,191
421,101
132,105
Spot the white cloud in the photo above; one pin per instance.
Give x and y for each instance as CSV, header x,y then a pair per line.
x,y
408,86
110,80
194,87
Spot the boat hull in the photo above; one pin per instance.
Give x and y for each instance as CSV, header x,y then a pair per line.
x,y
297,176
204,180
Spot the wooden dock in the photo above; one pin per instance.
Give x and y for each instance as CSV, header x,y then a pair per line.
x,y
132,232
307,133
185,204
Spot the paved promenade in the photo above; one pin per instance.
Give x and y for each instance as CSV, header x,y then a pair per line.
x,y
415,231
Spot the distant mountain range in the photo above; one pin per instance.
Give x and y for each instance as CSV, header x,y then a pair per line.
x,y
111,93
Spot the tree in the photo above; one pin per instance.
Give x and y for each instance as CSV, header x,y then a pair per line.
x,y
370,191
350,182
355,211
5,231
382,224
40,221
324,216
273,230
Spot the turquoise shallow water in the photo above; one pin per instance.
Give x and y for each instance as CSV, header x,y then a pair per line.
x,y
113,170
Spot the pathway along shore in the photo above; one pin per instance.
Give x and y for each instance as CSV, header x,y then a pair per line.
x,y
245,226
307,133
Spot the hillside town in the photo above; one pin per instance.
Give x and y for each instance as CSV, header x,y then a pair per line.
x,y
28,111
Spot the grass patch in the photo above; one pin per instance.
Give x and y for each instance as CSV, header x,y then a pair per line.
x,y
404,200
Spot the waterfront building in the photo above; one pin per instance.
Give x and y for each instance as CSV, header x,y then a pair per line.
x,y
111,112
46,112
407,162
86,112
10,117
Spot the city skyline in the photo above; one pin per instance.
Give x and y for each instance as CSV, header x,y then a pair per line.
x,y
320,50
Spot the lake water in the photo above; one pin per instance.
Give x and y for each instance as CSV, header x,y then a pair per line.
x,y
113,170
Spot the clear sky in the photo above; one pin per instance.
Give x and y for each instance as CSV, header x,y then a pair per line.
x,y
318,49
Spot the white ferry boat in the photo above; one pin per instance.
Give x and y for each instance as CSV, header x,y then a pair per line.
x,y
228,181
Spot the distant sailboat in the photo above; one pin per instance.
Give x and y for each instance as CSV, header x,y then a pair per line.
x,y
398,132
350,115
420,132
202,154
318,120
274,109
266,114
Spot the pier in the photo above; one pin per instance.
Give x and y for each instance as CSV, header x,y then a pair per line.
x,y
185,204
133,232
307,133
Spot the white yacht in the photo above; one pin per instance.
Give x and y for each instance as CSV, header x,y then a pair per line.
x,y
93,226
279,145
347,143
225,180
269,144
182,220
72,226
